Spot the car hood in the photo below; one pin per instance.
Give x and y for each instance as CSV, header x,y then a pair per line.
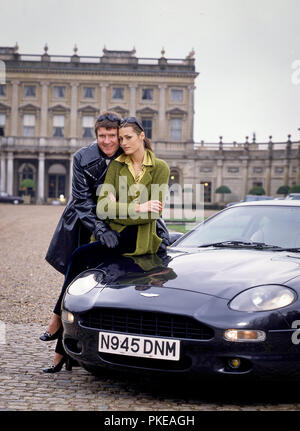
x,y
218,272
226,272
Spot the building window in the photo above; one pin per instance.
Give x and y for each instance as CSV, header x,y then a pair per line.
x,y
233,170
278,169
87,126
206,169
59,91
29,90
27,172
176,129
29,125
58,126
147,124
2,124
88,92
207,190
258,170
118,93
57,186
147,94
257,184
2,90
176,95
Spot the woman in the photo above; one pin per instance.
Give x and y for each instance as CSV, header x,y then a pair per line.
x,y
130,201
133,191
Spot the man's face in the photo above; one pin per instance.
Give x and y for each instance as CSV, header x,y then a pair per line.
x,y
108,140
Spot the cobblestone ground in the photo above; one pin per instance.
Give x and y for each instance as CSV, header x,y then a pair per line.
x,y
28,289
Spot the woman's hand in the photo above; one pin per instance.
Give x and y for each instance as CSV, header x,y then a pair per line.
x,y
112,197
149,206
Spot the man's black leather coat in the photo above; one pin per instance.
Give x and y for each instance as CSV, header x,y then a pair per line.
x,y
79,219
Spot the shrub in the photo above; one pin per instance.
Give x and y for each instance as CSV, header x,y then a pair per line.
x,y
283,190
295,189
257,190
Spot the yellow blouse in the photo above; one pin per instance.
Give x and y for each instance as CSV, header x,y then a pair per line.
x,y
146,162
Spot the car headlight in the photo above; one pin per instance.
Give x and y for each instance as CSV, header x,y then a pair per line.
x,y
85,283
263,298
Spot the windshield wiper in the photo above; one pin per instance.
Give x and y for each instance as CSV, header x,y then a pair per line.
x,y
252,244
293,249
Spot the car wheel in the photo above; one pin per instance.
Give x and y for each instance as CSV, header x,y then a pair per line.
x,y
16,202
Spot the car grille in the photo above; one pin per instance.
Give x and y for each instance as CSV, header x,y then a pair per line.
x,y
146,323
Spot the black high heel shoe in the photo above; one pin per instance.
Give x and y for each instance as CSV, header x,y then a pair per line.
x,y
50,337
57,368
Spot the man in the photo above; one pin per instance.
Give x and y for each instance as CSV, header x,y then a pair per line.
x,y
79,221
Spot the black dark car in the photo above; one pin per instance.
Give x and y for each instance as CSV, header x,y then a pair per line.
x,y
223,301
7,198
250,198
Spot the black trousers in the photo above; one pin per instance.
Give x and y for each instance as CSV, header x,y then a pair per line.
x,y
89,256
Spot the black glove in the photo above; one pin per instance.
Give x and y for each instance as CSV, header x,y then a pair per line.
x,y
110,239
162,231
107,236
162,247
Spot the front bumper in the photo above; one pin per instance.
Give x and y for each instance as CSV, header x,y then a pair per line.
x,y
276,356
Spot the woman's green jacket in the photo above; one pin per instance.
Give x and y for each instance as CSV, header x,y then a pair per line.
x,y
122,212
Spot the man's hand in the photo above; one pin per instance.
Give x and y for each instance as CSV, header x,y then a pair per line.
x,y
109,239
107,236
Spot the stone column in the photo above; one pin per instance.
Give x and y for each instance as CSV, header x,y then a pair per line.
x,y
286,176
41,178
74,105
298,167
162,113
10,172
132,100
268,177
245,177
44,110
103,103
70,174
14,108
219,179
3,172
190,122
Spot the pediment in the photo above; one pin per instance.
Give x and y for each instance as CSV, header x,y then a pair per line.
x,y
119,109
29,107
4,107
176,111
88,108
147,111
59,108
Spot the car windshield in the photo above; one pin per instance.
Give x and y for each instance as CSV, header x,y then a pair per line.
x,y
251,225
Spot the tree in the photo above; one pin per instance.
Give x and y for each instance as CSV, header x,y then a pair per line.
x,y
27,185
223,190
257,190
283,190
295,189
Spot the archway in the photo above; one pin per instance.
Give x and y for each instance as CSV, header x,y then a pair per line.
x,y
56,181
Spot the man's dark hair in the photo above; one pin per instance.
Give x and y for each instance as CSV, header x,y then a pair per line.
x,y
107,119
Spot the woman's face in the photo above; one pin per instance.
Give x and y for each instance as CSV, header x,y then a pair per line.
x,y
130,141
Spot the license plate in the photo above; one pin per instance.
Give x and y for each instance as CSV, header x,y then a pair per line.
x,y
144,347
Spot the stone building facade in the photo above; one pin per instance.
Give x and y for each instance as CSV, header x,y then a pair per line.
x,y
49,103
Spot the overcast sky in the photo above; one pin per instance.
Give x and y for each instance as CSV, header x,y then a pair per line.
x,y
247,51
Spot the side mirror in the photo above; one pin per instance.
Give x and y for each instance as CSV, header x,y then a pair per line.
x,y
174,237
